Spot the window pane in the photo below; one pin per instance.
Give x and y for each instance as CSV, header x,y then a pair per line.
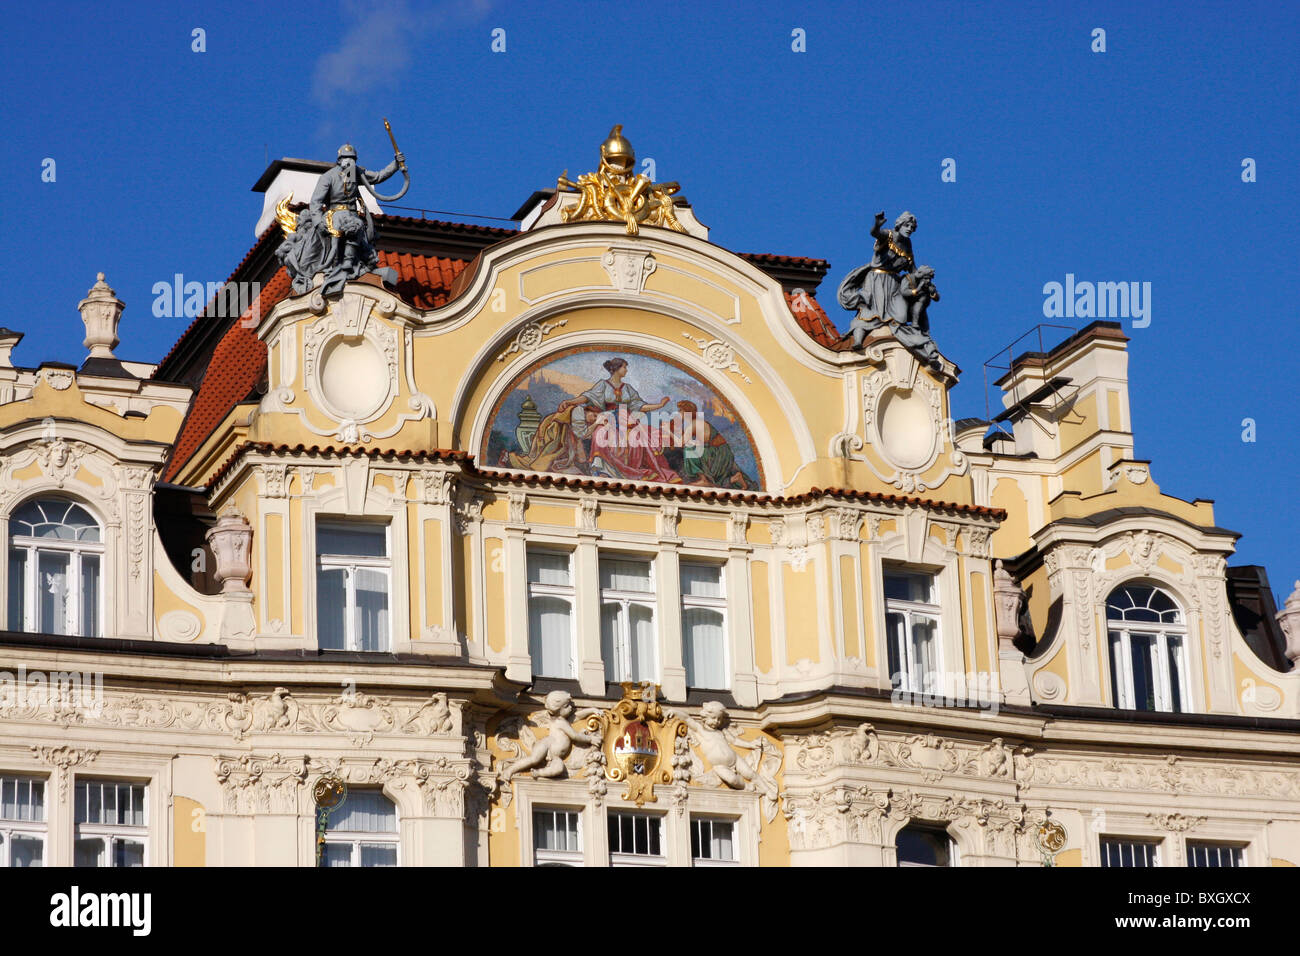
x,y
1143,649
909,586
1127,853
331,593
90,595
702,580
88,852
896,629
1117,679
371,609
643,655
53,598
1175,650
923,846
547,568
925,635
550,638
27,851
1214,854
128,853
620,575
17,588
609,642
704,648
365,811
352,540
336,854
378,854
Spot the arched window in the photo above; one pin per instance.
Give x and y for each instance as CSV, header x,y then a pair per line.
x,y
1148,649
362,832
920,845
55,555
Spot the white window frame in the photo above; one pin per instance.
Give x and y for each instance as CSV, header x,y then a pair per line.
x,y
1157,847
567,593
25,828
112,833
622,663
32,547
719,604
349,564
698,819
912,680
621,859
1120,633
355,838
1238,851
543,857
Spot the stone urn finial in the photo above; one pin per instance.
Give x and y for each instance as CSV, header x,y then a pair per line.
x,y
1289,618
231,541
1006,604
101,310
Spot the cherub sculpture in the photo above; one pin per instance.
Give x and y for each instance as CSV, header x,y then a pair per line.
x,y
545,757
738,764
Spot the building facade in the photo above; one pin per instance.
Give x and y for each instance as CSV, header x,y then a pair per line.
x,y
593,542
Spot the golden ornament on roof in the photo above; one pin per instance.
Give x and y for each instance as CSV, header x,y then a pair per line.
x,y
615,193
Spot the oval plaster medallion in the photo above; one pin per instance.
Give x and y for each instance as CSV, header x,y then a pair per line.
x,y
353,378
907,433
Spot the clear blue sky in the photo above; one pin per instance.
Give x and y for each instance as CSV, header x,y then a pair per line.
x,y
1115,166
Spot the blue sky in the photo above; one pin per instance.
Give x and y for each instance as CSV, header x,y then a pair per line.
x,y
1115,166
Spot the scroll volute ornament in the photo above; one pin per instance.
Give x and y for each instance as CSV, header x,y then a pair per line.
x,y
231,542
1007,596
1289,618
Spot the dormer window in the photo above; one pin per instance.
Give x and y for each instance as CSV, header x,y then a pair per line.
x,y
1148,650
56,551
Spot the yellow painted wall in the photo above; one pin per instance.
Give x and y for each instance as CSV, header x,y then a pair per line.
x,y
189,832
801,619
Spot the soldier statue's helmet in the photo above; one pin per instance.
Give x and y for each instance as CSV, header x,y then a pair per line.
x,y
616,151
346,151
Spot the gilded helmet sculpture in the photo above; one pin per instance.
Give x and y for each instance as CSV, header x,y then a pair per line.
x,y
617,152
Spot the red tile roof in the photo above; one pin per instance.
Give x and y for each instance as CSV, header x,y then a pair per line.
x,y
240,358
812,318
547,480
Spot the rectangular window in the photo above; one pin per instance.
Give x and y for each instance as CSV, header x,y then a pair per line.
x,y
627,620
352,586
1122,851
704,626
912,626
713,842
362,832
557,837
550,614
22,821
112,824
636,839
1215,854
